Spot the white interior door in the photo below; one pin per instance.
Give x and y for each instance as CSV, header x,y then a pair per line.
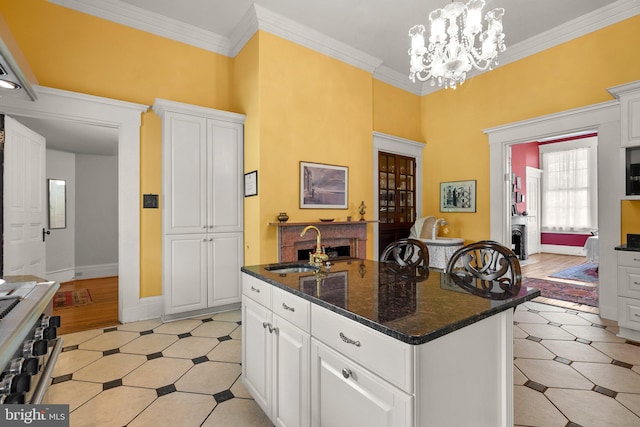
x,y
24,201
533,177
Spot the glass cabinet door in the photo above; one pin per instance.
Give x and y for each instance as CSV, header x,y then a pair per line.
x,y
397,189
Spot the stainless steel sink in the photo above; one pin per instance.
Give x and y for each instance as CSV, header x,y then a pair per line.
x,y
291,268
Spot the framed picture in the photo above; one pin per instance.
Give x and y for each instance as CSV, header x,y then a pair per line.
x,y
458,196
251,183
323,186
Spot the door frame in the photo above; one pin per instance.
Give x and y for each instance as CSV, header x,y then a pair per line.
x,y
604,118
535,173
126,117
403,147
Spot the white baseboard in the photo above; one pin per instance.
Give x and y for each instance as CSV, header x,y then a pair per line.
x,y
563,250
148,308
96,271
60,276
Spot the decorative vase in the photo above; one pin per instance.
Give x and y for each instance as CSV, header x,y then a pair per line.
x,y
283,217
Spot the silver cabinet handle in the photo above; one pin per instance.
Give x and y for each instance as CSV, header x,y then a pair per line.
x,y
636,259
636,315
286,307
265,324
255,289
349,340
346,372
271,328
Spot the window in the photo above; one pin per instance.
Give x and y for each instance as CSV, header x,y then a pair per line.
x,y
569,186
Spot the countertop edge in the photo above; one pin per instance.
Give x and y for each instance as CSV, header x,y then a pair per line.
x,y
408,339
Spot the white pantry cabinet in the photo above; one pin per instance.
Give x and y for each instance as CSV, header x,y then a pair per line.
x,y
275,352
202,207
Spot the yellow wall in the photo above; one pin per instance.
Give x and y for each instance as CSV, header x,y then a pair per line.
x,y
396,112
574,74
630,213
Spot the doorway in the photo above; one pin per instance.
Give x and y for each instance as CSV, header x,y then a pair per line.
x,y
126,118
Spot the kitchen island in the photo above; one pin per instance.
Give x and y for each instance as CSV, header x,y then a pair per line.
x,y
359,345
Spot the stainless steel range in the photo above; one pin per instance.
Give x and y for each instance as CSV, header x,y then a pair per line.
x,y
29,346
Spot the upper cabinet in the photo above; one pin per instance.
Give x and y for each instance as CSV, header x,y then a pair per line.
x,y
202,168
629,96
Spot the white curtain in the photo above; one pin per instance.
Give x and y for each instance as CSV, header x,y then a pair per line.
x,y
567,203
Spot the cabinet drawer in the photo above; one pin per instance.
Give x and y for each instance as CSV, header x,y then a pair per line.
x,y
629,282
385,356
629,313
291,308
629,258
257,290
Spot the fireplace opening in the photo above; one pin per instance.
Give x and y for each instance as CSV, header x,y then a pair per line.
x,y
519,240
335,252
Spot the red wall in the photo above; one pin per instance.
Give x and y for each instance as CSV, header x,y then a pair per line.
x,y
523,155
564,239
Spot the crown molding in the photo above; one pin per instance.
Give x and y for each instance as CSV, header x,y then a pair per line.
x,y
141,19
259,18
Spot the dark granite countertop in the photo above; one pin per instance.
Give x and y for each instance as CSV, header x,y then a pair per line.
x,y
626,248
412,312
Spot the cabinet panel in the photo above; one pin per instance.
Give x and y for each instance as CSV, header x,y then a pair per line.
x,y
225,259
185,273
225,176
629,313
629,282
345,394
291,388
185,175
257,290
256,352
292,308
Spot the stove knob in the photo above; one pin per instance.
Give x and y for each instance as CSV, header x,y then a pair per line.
x,y
51,321
50,333
39,333
31,365
15,366
14,398
35,348
15,383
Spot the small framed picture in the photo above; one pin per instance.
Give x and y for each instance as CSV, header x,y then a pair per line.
x,y
458,196
323,186
251,183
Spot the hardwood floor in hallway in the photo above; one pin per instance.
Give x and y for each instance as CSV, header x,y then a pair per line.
x,y
102,312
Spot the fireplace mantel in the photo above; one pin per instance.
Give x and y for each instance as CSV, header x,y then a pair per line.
x,y
335,233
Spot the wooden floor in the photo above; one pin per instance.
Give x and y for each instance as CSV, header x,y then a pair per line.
x,y
102,312
541,265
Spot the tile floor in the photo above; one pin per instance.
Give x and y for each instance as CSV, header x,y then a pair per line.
x,y
570,369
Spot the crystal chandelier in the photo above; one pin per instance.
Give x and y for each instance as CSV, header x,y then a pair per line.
x,y
455,47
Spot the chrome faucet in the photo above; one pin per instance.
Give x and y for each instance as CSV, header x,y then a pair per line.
x,y
436,227
318,257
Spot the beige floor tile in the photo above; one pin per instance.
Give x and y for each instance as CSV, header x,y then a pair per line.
x,y
238,412
552,374
158,372
109,368
191,347
530,349
532,305
109,340
115,407
630,401
613,377
229,316
70,361
518,376
149,344
575,351
595,318
519,333
178,327
72,393
143,325
546,331
239,390
236,334
78,338
532,409
623,352
227,351
528,317
592,333
214,329
209,377
590,409
177,409
565,318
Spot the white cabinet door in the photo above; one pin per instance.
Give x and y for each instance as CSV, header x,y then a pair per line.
x,y
185,174
291,387
225,260
345,394
226,185
185,272
257,348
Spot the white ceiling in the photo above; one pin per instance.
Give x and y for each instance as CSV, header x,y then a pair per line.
x,y
376,28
